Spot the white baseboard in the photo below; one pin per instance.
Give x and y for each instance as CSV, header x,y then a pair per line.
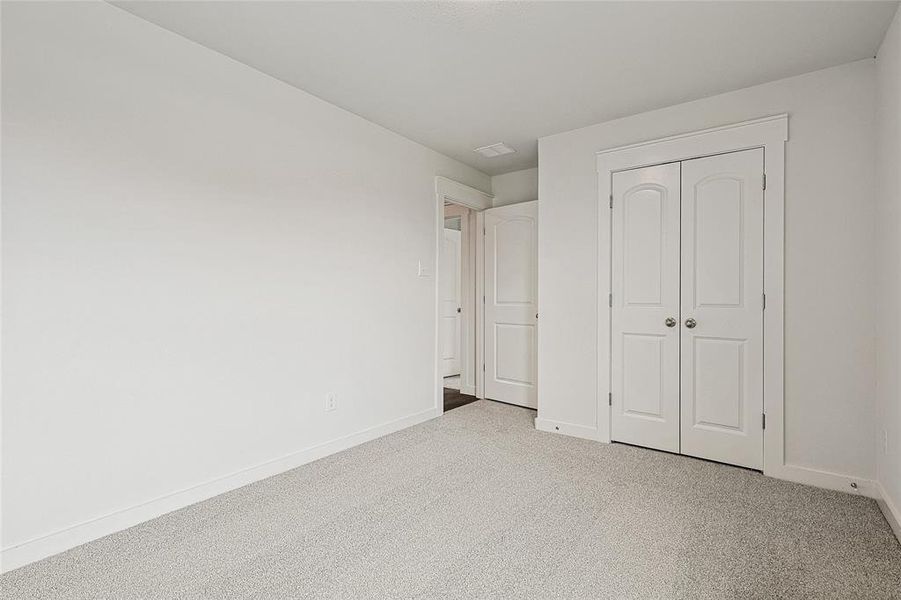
x,y
570,429
793,473
891,510
64,539
796,474
825,479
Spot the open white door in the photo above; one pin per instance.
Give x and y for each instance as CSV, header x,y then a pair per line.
x,y
722,308
451,306
645,307
511,303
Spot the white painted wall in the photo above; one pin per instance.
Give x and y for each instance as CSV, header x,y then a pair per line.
x,y
830,254
888,413
189,267
515,187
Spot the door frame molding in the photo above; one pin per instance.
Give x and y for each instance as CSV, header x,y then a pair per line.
x,y
448,190
771,134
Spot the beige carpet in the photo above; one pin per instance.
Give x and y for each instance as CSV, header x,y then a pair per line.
x,y
477,504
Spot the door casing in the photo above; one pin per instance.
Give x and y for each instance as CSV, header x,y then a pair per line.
x,y
770,134
476,201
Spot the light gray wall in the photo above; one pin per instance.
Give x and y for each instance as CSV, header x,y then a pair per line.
x,y
830,255
194,255
888,419
515,187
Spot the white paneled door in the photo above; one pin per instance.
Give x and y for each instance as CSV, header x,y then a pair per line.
x,y
722,308
687,307
511,303
451,303
645,305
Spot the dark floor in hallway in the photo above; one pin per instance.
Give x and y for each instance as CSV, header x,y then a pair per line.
x,y
454,399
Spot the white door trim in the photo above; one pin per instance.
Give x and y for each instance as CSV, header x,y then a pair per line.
x,y
769,133
448,190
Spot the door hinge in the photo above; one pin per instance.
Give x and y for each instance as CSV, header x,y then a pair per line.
x,y
610,399
483,298
763,421
611,201
764,181
610,300
483,367
764,302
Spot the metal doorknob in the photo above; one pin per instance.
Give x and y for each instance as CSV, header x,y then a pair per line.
x,y
670,322
691,323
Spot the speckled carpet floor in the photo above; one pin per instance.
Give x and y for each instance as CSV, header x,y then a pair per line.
x,y
478,504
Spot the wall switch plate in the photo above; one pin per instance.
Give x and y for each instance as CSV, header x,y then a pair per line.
x,y
423,270
331,402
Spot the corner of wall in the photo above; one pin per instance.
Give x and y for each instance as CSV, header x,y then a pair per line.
x,y
887,434
515,187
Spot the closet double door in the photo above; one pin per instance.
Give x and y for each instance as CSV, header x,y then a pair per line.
x,y
687,307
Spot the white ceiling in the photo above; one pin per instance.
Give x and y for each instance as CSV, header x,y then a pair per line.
x,y
456,76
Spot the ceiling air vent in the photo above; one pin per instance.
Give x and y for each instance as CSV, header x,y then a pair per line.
x,y
498,149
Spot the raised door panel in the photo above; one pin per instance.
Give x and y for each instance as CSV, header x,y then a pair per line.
x,y
514,264
513,350
645,270
722,295
644,376
718,373
644,237
718,265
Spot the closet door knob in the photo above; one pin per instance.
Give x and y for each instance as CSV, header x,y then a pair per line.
x,y
691,323
670,322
